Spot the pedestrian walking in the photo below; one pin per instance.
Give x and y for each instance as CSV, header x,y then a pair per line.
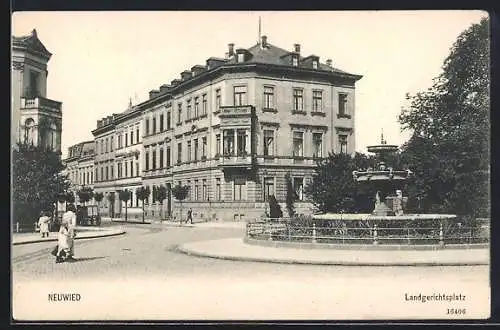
x,y
190,216
63,245
69,217
43,224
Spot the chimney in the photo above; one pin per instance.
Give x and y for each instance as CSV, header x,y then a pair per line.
x,y
296,48
264,42
230,48
99,123
329,62
185,75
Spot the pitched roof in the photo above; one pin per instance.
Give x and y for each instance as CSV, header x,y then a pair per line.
x,y
275,55
31,42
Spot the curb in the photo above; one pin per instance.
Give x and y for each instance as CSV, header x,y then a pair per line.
x,y
116,233
133,222
184,250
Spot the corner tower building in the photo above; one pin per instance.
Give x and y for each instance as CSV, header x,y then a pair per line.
x,y
36,119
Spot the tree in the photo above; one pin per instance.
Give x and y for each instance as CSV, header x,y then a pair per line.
x,y
290,196
70,197
180,193
274,208
143,194
449,147
333,188
160,195
124,196
111,199
98,196
36,181
85,194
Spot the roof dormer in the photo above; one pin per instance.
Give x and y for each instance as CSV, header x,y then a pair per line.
x,y
242,55
186,74
311,61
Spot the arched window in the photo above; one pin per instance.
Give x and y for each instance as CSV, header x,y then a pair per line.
x,y
29,128
51,140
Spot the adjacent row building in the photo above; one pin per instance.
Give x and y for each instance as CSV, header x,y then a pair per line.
x,y
231,130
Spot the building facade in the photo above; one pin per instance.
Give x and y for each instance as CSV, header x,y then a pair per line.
x,y
36,119
231,130
79,166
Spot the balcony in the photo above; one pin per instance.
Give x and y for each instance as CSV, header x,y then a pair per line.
x,y
41,103
229,161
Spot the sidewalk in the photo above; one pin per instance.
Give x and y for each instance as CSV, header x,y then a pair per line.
x,y
236,249
84,233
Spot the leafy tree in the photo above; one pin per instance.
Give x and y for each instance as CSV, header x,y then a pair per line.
x,y
85,194
111,199
290,196
124,196
70,197
37,181
143,194
333,188
160,195
274,208
98,196
449,146
180,193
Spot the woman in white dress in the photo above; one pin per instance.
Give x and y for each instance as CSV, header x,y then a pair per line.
x,y
43,224
63,242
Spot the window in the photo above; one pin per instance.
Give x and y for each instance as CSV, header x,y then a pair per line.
x,y
317,144
102,146
154,159
228,142
205,190
33,89
315,65
298,186
126,139
342,104
136,168
154,126
268,143
168,156
217,144
343,143
317,101
196,107
268,97
240,95
179,113
188,111
131,168
179,153
241,142
91,177
239,186
97,175
106,144
196,190
189,151
147,127
107,172
162,118
161,157
241,57
126,170
169,119
218,195
268,188
298,100
131,137
190,191
120,171
204,147
217,100
137,135
120,141
204,104
146,157
112,142
195,149
112,168
295,61
298,144
29,129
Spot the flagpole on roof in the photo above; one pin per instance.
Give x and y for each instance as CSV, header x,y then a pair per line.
x,y
258,40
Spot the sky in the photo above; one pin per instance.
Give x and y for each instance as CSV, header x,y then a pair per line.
x,y
102,59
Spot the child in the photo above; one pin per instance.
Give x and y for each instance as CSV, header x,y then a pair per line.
x,y
63,242
43,224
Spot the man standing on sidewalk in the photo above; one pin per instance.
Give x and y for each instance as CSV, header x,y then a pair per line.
x,y
70,218
190,216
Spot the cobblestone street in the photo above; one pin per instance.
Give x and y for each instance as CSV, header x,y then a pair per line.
x,y
144,262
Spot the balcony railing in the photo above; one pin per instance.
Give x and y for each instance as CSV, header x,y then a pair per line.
x,y
40,102
235,160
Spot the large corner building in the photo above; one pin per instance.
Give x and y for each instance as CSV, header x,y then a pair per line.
x,y
230,130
